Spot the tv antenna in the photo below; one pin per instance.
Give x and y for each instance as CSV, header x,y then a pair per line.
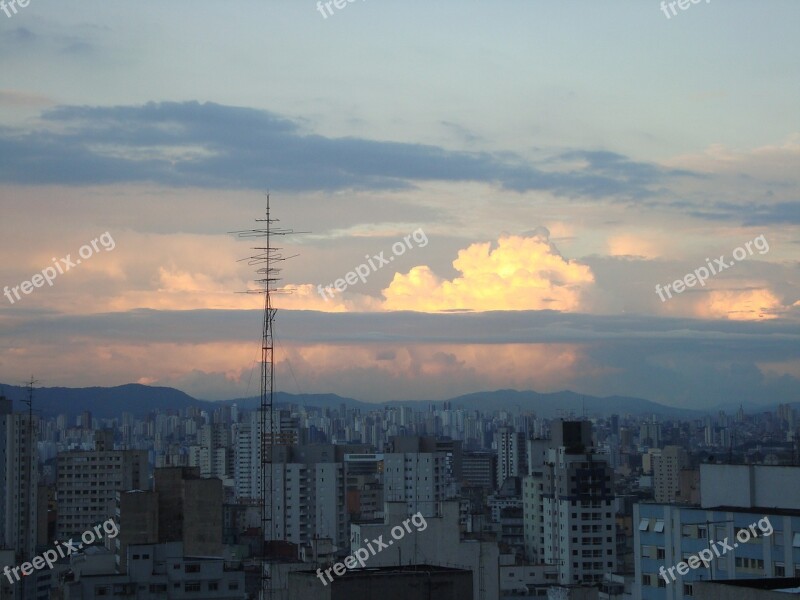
x,y
265,259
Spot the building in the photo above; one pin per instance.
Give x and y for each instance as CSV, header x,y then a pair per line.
x,y
437,542
667,466
417,582
137,515
308,494
189,510
88,481
667,535
364,485
748,589
247,455
19,477
478,469
510,454
734,500
414,472
650,435
157,572
568,509
214,452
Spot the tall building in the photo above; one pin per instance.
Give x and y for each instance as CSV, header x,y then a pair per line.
x,y
568,509
510,454
414,472
650,435
19,476
309,497
89,479
667,466
189,510
183,507
247,456
478,470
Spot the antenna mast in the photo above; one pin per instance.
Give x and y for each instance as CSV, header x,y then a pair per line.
x,y
265,259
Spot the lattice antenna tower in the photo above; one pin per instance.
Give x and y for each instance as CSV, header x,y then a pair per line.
x,y
265,259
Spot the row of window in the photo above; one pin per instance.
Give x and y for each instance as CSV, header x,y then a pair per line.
x,y
698,531
119,589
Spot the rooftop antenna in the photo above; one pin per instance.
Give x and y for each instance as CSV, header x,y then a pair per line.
x,y
264,259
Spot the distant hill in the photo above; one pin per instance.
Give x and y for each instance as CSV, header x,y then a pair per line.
x,y
102,402
110,402
562,403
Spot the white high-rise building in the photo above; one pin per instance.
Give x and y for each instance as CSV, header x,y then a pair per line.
x,y
309,503
247,453
416,474
568,506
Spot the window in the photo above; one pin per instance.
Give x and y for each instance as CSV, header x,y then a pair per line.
x,y
644,524
796,540
687,589
193,568
659,526
213,586
780,570
101,590
191,586
233,585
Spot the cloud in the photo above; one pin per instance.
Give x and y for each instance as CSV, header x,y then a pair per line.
x,y
521,273
215,146
627,244
396,355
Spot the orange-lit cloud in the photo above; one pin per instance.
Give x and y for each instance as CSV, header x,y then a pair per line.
x,y
230,369
634,245
740,305
521,273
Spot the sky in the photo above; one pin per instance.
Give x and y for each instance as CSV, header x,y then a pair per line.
x,y
537,194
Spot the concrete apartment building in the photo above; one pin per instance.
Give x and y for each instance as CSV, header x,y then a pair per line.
x,y
183,507
88,481
309,493
247,442
667,466
214,452
568,503
510,446
158,572
438,543
732,498
415,472
19,476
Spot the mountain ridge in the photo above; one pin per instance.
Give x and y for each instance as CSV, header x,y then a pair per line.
x,y
139,399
